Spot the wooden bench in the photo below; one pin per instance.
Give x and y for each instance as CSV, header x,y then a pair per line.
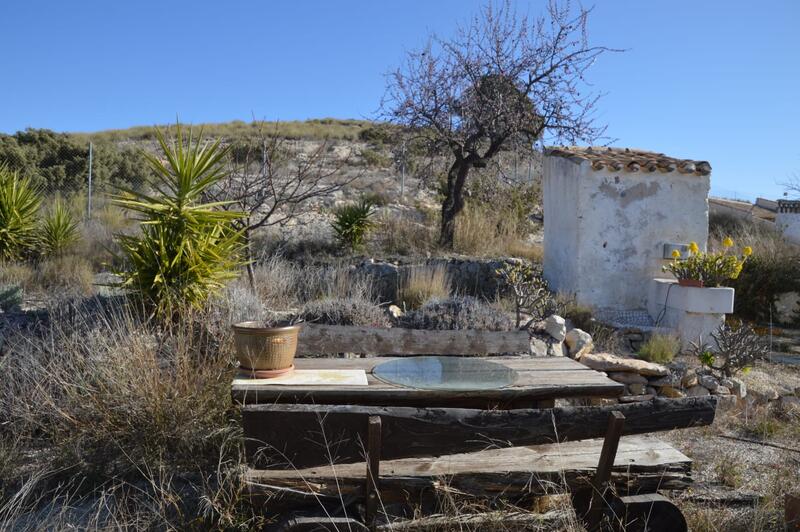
x,y
349,458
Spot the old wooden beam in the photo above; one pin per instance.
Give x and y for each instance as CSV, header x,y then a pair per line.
x,y
373,471
310,435
317,339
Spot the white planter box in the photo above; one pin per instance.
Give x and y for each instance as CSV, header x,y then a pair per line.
x,y
694,312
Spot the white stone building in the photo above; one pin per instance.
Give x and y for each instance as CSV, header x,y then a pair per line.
x,y
613,215
787,220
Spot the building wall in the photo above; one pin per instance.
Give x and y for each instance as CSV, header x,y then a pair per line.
x,y
616,237
560,179
788,223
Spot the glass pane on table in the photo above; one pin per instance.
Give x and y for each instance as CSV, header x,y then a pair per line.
x,y
445,373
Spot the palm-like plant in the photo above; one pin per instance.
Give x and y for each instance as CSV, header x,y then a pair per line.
x,y
352,223
19,207
187,249
60,229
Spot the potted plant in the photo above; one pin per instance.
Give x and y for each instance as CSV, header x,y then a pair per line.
x,y
699,268
266,349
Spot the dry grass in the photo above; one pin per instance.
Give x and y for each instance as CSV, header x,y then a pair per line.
x,y
421,284
660,348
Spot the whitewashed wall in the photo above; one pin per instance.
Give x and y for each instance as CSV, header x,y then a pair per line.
x,y
605,230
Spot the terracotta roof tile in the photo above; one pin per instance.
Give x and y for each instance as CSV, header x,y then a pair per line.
x,y
630,159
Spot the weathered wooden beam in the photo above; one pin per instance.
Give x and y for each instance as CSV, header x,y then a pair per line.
x,y
317,339
644,464
310,435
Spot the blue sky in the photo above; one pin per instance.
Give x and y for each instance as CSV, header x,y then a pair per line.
x,y
714,80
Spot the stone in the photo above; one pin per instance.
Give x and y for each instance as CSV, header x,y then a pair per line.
x,y
721,390
726,403
556,327
785,307
609,362
672,393
538,346
636,389
697,391
764,396
797,391
690,379
668,380
709,381
395,311
626,377
789,403
651,391
579,343
737,387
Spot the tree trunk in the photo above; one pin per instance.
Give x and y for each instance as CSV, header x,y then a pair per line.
x,y
453,202
248,257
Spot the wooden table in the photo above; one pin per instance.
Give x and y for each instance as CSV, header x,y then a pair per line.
x,y
540,380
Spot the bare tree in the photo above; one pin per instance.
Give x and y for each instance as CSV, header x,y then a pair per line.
x,y
501,80
272,183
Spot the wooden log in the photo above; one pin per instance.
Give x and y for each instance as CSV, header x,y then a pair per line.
x,y
305,435
499,520
373,471
643,464
317,339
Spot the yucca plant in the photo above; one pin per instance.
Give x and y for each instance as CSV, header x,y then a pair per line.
x,y
60,230
352,222
19,207
187,249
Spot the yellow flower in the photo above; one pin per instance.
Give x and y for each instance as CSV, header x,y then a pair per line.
x,y
728,242
676,254
746,370
693,247
747,251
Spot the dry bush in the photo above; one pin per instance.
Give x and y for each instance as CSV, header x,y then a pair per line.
x,y
113,415
277,282
457,313
402,234
420,284
17,273
348,311
660,348
484,230
69,275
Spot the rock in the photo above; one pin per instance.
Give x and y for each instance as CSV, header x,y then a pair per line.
x,y
697,391
726,403
737,387
635,398
709,381
556,327
785,306
636,389
764,396
538,346
789,403
797,391
690,379
609,362
668,380
626,377
721,390
579,343
672,393
651,391
395,311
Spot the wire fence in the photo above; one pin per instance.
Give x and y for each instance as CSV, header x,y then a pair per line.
x,y
82,173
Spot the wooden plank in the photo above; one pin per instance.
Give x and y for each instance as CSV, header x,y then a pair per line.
x,y
316,339
597,497
373,471
311,435
643,463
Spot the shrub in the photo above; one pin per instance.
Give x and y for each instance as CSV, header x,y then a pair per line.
x,y
68,275
738,347
349,311
660,348
457,313
405,234
375,159
420,284
19,206
352,222
528,289
10,297
187,249
762,280
60,229
277,282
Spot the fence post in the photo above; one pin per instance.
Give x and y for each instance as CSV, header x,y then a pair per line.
x,y
89,201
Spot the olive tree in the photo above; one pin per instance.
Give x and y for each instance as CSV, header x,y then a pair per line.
x,y
503,80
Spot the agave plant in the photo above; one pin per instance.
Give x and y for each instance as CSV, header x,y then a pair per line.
x,y
60,229
19,207
187,249
352,222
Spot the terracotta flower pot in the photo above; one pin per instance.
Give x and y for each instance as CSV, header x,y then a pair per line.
x,y
694,283
265,352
